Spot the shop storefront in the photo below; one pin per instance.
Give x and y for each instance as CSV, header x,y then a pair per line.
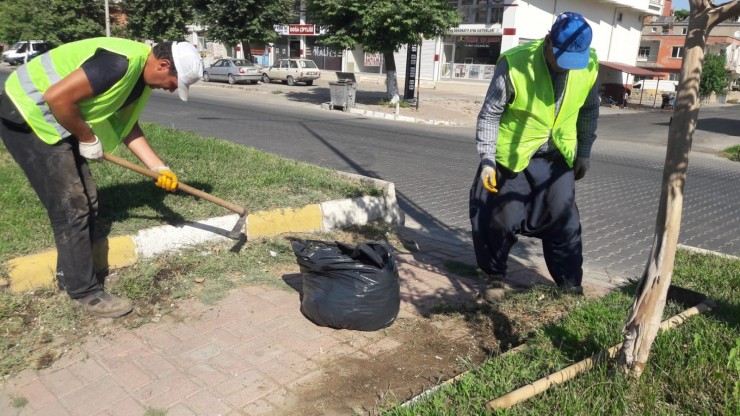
x,y
302,41
471,52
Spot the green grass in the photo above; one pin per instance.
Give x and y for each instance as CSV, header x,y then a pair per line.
x,y
401,103
130,202
693,369
733,153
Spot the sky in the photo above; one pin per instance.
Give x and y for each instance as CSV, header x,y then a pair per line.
x,y
684,4
680,4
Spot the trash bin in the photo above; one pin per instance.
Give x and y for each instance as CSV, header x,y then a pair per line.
x,y
342,94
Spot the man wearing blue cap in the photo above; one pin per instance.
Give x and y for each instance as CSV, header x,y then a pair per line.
x,y
534,137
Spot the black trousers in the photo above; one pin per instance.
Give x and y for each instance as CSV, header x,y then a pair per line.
x,y
537,202
62,181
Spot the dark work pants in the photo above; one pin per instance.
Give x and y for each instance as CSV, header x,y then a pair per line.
x,y
537,202
62,181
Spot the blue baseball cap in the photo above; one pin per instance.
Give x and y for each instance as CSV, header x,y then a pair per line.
x,y
571,40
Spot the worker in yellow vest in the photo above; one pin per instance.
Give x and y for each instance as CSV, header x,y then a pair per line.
x,y
66,107
534,136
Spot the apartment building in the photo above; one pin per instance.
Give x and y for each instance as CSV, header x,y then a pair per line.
x,y
662,46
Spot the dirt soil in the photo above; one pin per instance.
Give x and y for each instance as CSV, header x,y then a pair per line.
x,y
432,349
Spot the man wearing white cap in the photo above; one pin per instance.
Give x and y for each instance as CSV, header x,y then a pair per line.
x,y
534,137
69,105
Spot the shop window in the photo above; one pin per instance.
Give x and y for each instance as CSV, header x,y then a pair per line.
x,y
673,76
677,52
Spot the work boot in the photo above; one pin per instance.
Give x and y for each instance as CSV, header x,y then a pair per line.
x,y
570,288
104,305
496,289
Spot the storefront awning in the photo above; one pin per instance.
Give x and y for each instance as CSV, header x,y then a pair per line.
x,y
630,69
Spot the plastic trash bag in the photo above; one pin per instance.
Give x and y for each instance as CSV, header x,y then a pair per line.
x,y
347,286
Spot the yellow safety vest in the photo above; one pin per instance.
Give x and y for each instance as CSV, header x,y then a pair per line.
x,y
529,121
111,123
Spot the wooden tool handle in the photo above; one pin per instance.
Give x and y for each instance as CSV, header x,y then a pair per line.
x,y
180,186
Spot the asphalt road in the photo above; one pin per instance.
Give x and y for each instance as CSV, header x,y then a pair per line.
x,y
433,167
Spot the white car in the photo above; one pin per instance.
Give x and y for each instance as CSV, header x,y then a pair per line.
x,y
25,50
291,71
233,71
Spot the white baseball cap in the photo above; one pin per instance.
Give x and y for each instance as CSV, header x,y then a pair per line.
x,y
188,65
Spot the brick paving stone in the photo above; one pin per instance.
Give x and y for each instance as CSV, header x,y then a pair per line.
x,y
229,363
53,409
131,377
183,331
159,340
88,370
263,349
245,388
93,397
277,322
243,330
207,402
159,386
127,407
180,409
156,365
259,408
173,395
278,372
114,360
183,347
37,394
222,338
206,374
61,382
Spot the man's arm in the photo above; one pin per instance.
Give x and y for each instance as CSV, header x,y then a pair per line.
x,y
498,96
139,145
63,98
586,124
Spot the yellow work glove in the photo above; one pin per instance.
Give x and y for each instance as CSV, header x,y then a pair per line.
x,y
488,176
167,178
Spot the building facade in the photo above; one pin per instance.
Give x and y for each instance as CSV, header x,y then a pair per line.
x,y
662,45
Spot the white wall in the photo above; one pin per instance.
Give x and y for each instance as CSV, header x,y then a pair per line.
x,y
614,41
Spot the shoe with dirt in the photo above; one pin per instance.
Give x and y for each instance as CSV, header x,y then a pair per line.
x,y
571,289
495,290
105,305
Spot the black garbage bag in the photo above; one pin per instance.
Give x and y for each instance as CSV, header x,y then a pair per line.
x,y
347,286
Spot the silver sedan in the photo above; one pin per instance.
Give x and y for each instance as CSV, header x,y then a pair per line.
x,y
233,71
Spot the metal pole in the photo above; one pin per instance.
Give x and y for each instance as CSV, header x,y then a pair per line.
x,y
107,20
418,74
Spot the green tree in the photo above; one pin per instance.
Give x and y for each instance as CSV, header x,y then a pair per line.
x,y
382,26
681,15
714,75
643,322
234,22
56,21
158,20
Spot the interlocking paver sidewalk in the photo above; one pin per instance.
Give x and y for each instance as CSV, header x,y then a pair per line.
x,y
249,354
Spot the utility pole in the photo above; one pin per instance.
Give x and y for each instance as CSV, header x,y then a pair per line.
x,y
107,20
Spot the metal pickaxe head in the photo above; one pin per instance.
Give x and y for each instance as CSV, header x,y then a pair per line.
x,y
238,231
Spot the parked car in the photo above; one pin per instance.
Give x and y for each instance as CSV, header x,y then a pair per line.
x,y
233,71
17,54
291,71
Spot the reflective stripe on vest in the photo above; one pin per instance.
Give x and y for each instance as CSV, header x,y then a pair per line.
x,y
30,89
103,113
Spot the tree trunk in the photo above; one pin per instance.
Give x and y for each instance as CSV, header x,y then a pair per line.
x,y
391,78
643,323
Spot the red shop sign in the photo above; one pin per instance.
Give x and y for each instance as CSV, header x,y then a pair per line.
x,y
301,29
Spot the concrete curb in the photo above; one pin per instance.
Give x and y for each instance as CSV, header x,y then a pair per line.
x,y
38,270
393,116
